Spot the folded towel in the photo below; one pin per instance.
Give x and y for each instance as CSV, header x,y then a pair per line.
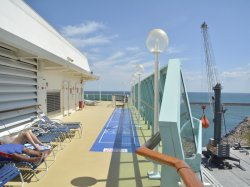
x,y
42,147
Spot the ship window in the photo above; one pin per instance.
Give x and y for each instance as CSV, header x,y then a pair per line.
x,y
53,102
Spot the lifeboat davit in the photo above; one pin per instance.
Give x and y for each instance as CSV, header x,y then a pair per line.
x,y
204,120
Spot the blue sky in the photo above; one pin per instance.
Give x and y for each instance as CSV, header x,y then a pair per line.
x,y
112,34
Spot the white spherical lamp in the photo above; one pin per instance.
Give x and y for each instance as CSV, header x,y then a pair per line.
x,y
157,41
139,69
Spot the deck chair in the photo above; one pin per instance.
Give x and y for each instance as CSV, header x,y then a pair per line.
x,y
89,102
47,136
49,131
73,126
9,172
7,159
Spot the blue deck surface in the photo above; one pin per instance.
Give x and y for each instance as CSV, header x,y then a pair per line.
x,y
119,133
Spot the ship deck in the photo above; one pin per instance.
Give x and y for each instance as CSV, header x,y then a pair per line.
x,y
232,177
76,165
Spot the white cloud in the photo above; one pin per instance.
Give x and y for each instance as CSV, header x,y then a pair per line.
x,y
95,50
121,59
192,75
82,29
236,80
116,70
116,56
90,33
184,59
240,73
132,49
92,41
174,50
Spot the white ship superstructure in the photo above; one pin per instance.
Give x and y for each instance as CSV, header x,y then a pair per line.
x,y
37,67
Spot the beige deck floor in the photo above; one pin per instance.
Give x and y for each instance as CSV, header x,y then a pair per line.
x,y
77,166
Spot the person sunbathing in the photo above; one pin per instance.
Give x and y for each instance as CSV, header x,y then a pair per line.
x,y
21,138
18,152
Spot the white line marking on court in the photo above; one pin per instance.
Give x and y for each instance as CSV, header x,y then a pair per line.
x,y
114,143
114,130
132,127
105,130
117,113
115,150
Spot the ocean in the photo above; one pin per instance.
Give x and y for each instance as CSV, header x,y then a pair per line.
x,y
232,117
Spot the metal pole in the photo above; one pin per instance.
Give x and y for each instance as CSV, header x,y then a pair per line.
x,y
100,92
134,94
131,91
156,103
155,174
139,99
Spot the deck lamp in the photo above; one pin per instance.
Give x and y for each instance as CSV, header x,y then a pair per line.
x,y
100,89
131,92
157,42
133,89
100,92
139,72
134,79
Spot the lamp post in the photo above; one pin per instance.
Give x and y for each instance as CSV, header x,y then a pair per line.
x,y
134,78
139,72
132,89
157,42
131,92
124,91
100,93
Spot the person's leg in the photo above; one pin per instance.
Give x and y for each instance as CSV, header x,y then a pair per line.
x,y
34,138
20,157
31,152
19,139
24,137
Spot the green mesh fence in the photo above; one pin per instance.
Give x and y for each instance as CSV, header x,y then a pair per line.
x,y
147,95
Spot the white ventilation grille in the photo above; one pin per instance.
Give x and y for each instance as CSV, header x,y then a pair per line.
x,y
53,101
18,90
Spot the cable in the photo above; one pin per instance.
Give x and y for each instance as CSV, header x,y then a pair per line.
x,y
209,65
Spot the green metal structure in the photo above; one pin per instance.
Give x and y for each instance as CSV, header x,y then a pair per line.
x,y
147,96
181,134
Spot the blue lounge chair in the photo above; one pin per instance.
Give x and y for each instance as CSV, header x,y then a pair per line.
x,y
49,132
73,126
9,172
6,159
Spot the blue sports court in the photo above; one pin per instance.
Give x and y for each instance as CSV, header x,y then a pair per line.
x,y
119,133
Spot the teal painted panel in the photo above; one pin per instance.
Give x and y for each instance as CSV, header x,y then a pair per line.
x,y
181,134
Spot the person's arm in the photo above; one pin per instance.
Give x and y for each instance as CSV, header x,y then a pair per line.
x,y
5,155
